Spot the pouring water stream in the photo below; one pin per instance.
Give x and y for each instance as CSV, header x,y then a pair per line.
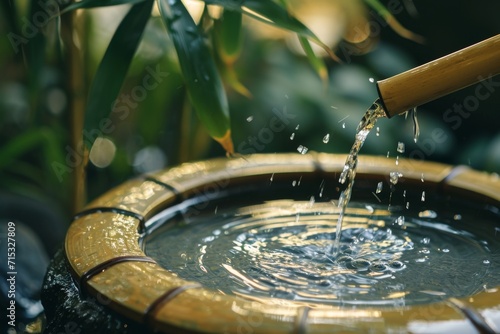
x,y
349,171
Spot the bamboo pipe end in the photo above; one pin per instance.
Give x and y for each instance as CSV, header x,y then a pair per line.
x,y
440,77
382,103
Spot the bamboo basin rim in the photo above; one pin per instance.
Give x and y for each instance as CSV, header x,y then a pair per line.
x,y
140,289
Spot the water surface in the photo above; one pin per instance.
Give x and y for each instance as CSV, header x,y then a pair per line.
x,y
282,249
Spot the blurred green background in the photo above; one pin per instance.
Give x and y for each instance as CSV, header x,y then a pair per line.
x,y
160,131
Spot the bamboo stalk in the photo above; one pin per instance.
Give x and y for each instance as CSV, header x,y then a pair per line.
x,y
440,77
75,81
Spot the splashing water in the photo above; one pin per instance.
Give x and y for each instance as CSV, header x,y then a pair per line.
x,y
326,138
280,249
302,149
401,147
349,171
416,128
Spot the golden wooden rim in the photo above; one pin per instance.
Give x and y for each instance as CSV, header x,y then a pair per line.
x,y
103,250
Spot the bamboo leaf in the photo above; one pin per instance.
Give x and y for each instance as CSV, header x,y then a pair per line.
x,y
231,78
317,63
19,145
393,22
228,35
35,61
202,80
113,68
51,154
272,13
98,3
10,15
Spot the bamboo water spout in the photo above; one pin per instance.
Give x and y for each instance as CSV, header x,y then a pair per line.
x,y
440,77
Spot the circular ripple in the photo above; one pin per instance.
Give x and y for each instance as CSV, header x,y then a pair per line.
x,y
284,249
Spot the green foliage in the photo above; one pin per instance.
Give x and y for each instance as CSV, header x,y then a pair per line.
x,y
113,68
34,138
200,74
98,3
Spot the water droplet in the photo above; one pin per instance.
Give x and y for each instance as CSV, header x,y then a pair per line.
x,y
343,125
302,149
407,205
311,201
457,217
297,127
404,193
422,177
249,119
394,177
333,107
420,260
423,196
416,128
321,188
425,241
292,136
445,250
294,183
486,261
387,154
427,214
272,177
425,251
378,131
401,147
397,160
400,220
379,188
326,138
371,80
378,199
